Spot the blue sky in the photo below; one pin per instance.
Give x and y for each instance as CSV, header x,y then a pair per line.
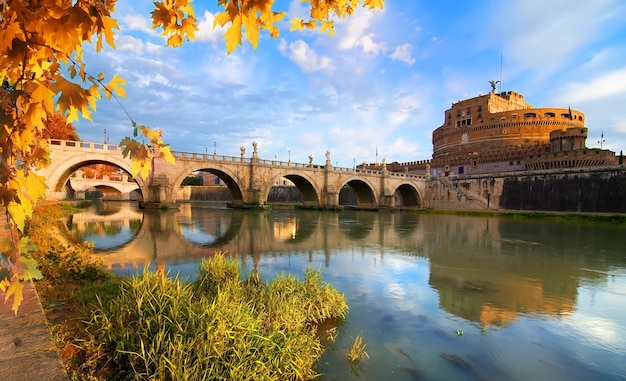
x,y
381,85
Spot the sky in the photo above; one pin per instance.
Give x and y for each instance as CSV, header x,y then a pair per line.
x,y
374,91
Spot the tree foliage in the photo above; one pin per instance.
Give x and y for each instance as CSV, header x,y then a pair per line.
x,y
43,71
57,127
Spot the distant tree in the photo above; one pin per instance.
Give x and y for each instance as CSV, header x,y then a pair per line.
x,y
98,171
42,69
57,127
192,180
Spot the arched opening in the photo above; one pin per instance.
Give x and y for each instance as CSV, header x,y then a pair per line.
x,y
209,185
96,179
406,196
357,193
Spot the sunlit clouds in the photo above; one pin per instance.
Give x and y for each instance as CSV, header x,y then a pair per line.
x,y
384,80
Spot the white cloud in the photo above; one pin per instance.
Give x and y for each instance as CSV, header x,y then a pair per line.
x,y
602,86
305,57
230,69
206,32
128,43
545,35
140,23
354,33
404,53
403,107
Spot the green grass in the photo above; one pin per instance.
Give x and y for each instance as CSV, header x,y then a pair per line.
x,y
594,217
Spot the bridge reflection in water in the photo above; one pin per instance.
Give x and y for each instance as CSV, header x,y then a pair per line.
x,y
523,293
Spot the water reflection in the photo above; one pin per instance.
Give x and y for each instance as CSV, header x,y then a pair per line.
x,y
435,297
109,225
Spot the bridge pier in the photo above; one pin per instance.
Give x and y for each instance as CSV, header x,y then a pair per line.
x,y
159,195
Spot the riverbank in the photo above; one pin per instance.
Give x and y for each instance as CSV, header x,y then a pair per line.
x,y
587,216
27,350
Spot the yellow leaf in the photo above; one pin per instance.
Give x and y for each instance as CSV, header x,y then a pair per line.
x,y
153,135
374,4
328,25
140,168
233,35
16,289
115,86
221,19
18,214
296,24
35,185
175,41
188,27
252,24
4,284
29,266
166,154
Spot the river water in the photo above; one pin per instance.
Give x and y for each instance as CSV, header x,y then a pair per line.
x,y
435,297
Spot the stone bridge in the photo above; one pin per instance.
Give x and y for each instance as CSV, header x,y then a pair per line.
x,y
249,179
82,184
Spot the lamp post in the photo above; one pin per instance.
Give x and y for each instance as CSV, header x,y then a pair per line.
x,y
214,147
289,153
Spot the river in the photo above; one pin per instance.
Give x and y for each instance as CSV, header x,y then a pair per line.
x,y
435,297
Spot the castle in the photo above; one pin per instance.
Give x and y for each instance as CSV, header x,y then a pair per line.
x,y
501,132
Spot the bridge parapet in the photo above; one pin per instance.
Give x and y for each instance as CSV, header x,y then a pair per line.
x,y
85,146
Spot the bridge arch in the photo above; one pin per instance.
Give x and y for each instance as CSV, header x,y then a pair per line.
x,y
409,195
304,183
229,178
58,176
366,198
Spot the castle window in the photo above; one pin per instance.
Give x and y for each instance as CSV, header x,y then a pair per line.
x,y
565,116
549,115
480,108
530,115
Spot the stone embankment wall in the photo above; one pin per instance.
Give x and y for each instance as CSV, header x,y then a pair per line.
x,y
598,190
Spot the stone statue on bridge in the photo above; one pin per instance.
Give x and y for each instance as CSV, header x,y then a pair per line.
x,y
310,159
243,151
255,153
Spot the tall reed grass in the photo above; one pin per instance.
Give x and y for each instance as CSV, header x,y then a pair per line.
x,y
222,327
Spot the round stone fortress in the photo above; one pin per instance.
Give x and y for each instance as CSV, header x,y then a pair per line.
x,y
501,132
494,121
